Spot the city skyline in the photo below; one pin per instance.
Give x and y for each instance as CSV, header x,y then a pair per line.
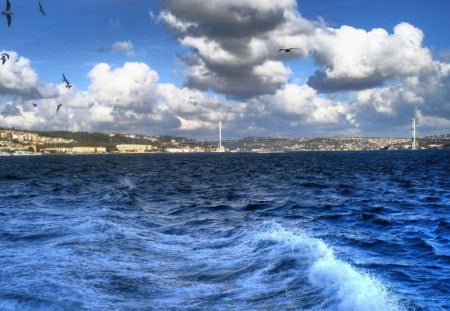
x,y
154,67
16,142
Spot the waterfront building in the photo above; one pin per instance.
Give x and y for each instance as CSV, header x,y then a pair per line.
x,y
135,148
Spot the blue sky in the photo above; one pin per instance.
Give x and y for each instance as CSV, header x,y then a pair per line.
x,y
362,68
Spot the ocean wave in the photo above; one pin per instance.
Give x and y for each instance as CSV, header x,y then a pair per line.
x,y
264,267
343,287
183,233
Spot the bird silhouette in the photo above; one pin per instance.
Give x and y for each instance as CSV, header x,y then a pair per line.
x,y
5,57
41,9
287,50
68,85
34,105
7,12
58,106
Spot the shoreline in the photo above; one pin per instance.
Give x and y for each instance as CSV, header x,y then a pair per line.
x,y
34,154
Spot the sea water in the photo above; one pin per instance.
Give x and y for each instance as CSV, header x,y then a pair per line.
x,y
293,231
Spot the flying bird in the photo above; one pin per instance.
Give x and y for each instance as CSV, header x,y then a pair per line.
x,y
41,9
58,106
68,85
288,50
5,57
34,105
7,12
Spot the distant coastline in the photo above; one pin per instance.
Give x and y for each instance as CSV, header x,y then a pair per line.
x,y
21,142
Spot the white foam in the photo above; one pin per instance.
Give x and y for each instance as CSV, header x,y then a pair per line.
x,y
353,290
310,247
344,287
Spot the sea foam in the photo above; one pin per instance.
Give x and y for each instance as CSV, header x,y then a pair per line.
x,y
343,286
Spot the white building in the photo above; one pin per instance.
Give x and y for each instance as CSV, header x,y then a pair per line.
x,y
135,148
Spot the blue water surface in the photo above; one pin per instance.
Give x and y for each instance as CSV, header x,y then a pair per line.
x,y
293,231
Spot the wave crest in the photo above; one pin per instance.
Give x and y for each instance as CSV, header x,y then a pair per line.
x,y
342,286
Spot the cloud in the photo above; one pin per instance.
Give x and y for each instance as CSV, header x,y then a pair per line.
x,y
17,77
381,77
229,39
431,124
296,110
237,82
355,59
195,111
119,47
132,86
224,19
292,110
119,99
130,98
10,109
122,99
426,95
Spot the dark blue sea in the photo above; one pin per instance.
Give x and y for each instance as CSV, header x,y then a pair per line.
x,y
292,231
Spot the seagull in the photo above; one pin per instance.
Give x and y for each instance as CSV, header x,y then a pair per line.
x,y
5,57
34,105
68,85
7,12
288,50
58,106
41,9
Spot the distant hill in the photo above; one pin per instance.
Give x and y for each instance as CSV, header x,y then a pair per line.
x,y
96,138
110,140
438,136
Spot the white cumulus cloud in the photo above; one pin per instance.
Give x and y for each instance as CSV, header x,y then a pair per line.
x,y
356,59
17,77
